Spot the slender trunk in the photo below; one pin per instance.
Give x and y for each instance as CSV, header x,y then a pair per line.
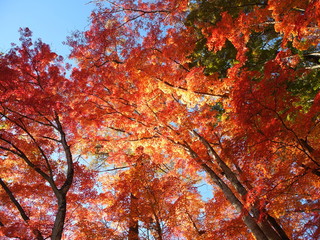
x,y
313,154
247,218
159,230
271,229
200,232
59,193
249,221
277,227
60,218
133,231
133,221
38,234
62,192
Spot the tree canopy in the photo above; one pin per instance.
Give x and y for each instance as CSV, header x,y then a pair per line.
x,y
166,97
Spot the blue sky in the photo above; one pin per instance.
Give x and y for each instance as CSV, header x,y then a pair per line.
x,y
50,20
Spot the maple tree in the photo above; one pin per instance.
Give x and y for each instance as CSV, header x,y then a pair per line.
x,y
37,169
166,95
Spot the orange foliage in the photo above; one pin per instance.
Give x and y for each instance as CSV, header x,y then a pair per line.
x,y
149,130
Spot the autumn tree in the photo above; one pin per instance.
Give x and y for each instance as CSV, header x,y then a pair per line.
x,y
37,169
166,93
274,90
146,199
179,80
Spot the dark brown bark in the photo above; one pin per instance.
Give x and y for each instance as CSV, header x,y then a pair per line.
x,y
230,175
314,154
57,229
277,227
62,192
37,234
158,228
23,214
200,232
157,223
247,218
59,193
271,229
249,221
14,200
133,233
70,169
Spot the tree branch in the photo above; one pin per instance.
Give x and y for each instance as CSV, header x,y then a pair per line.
x,y
22,212
70,169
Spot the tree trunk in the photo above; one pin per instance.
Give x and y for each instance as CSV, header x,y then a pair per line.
x,y
62,192
38,234
247,218
133,231
277,227
249,221
133,222
60,218
271,228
